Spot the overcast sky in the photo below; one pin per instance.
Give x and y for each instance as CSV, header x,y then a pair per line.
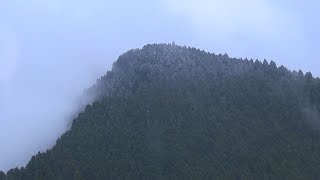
x,y
51,50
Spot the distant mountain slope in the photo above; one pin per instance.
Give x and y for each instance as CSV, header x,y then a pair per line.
x,y
172,112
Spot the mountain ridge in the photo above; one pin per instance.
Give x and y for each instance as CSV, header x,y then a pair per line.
x,y
184,58
173,112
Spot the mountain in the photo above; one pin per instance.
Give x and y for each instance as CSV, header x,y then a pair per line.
x,y
172,112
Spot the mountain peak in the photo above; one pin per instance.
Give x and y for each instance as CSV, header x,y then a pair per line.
x,y
172,112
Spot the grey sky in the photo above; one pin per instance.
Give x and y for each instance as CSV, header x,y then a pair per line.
x,y
50,50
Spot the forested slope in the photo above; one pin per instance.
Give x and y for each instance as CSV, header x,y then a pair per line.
x,y
172,112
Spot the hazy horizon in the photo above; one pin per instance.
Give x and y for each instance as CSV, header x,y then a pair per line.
x,y
50,51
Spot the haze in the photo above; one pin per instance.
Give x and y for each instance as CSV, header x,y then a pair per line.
x,y
50,51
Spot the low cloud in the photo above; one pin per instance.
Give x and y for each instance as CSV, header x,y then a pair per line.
x,y
50,51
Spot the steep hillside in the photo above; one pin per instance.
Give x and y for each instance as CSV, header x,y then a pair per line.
x,y
172,112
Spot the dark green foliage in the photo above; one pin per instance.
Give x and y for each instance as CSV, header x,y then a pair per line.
x,y
171,112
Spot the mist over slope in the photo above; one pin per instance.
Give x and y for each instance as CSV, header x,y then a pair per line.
x,y
51,50
172,112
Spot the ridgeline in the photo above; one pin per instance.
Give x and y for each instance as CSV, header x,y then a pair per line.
x,y
172,112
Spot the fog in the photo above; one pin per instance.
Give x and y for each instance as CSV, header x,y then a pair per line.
x,y
51,50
